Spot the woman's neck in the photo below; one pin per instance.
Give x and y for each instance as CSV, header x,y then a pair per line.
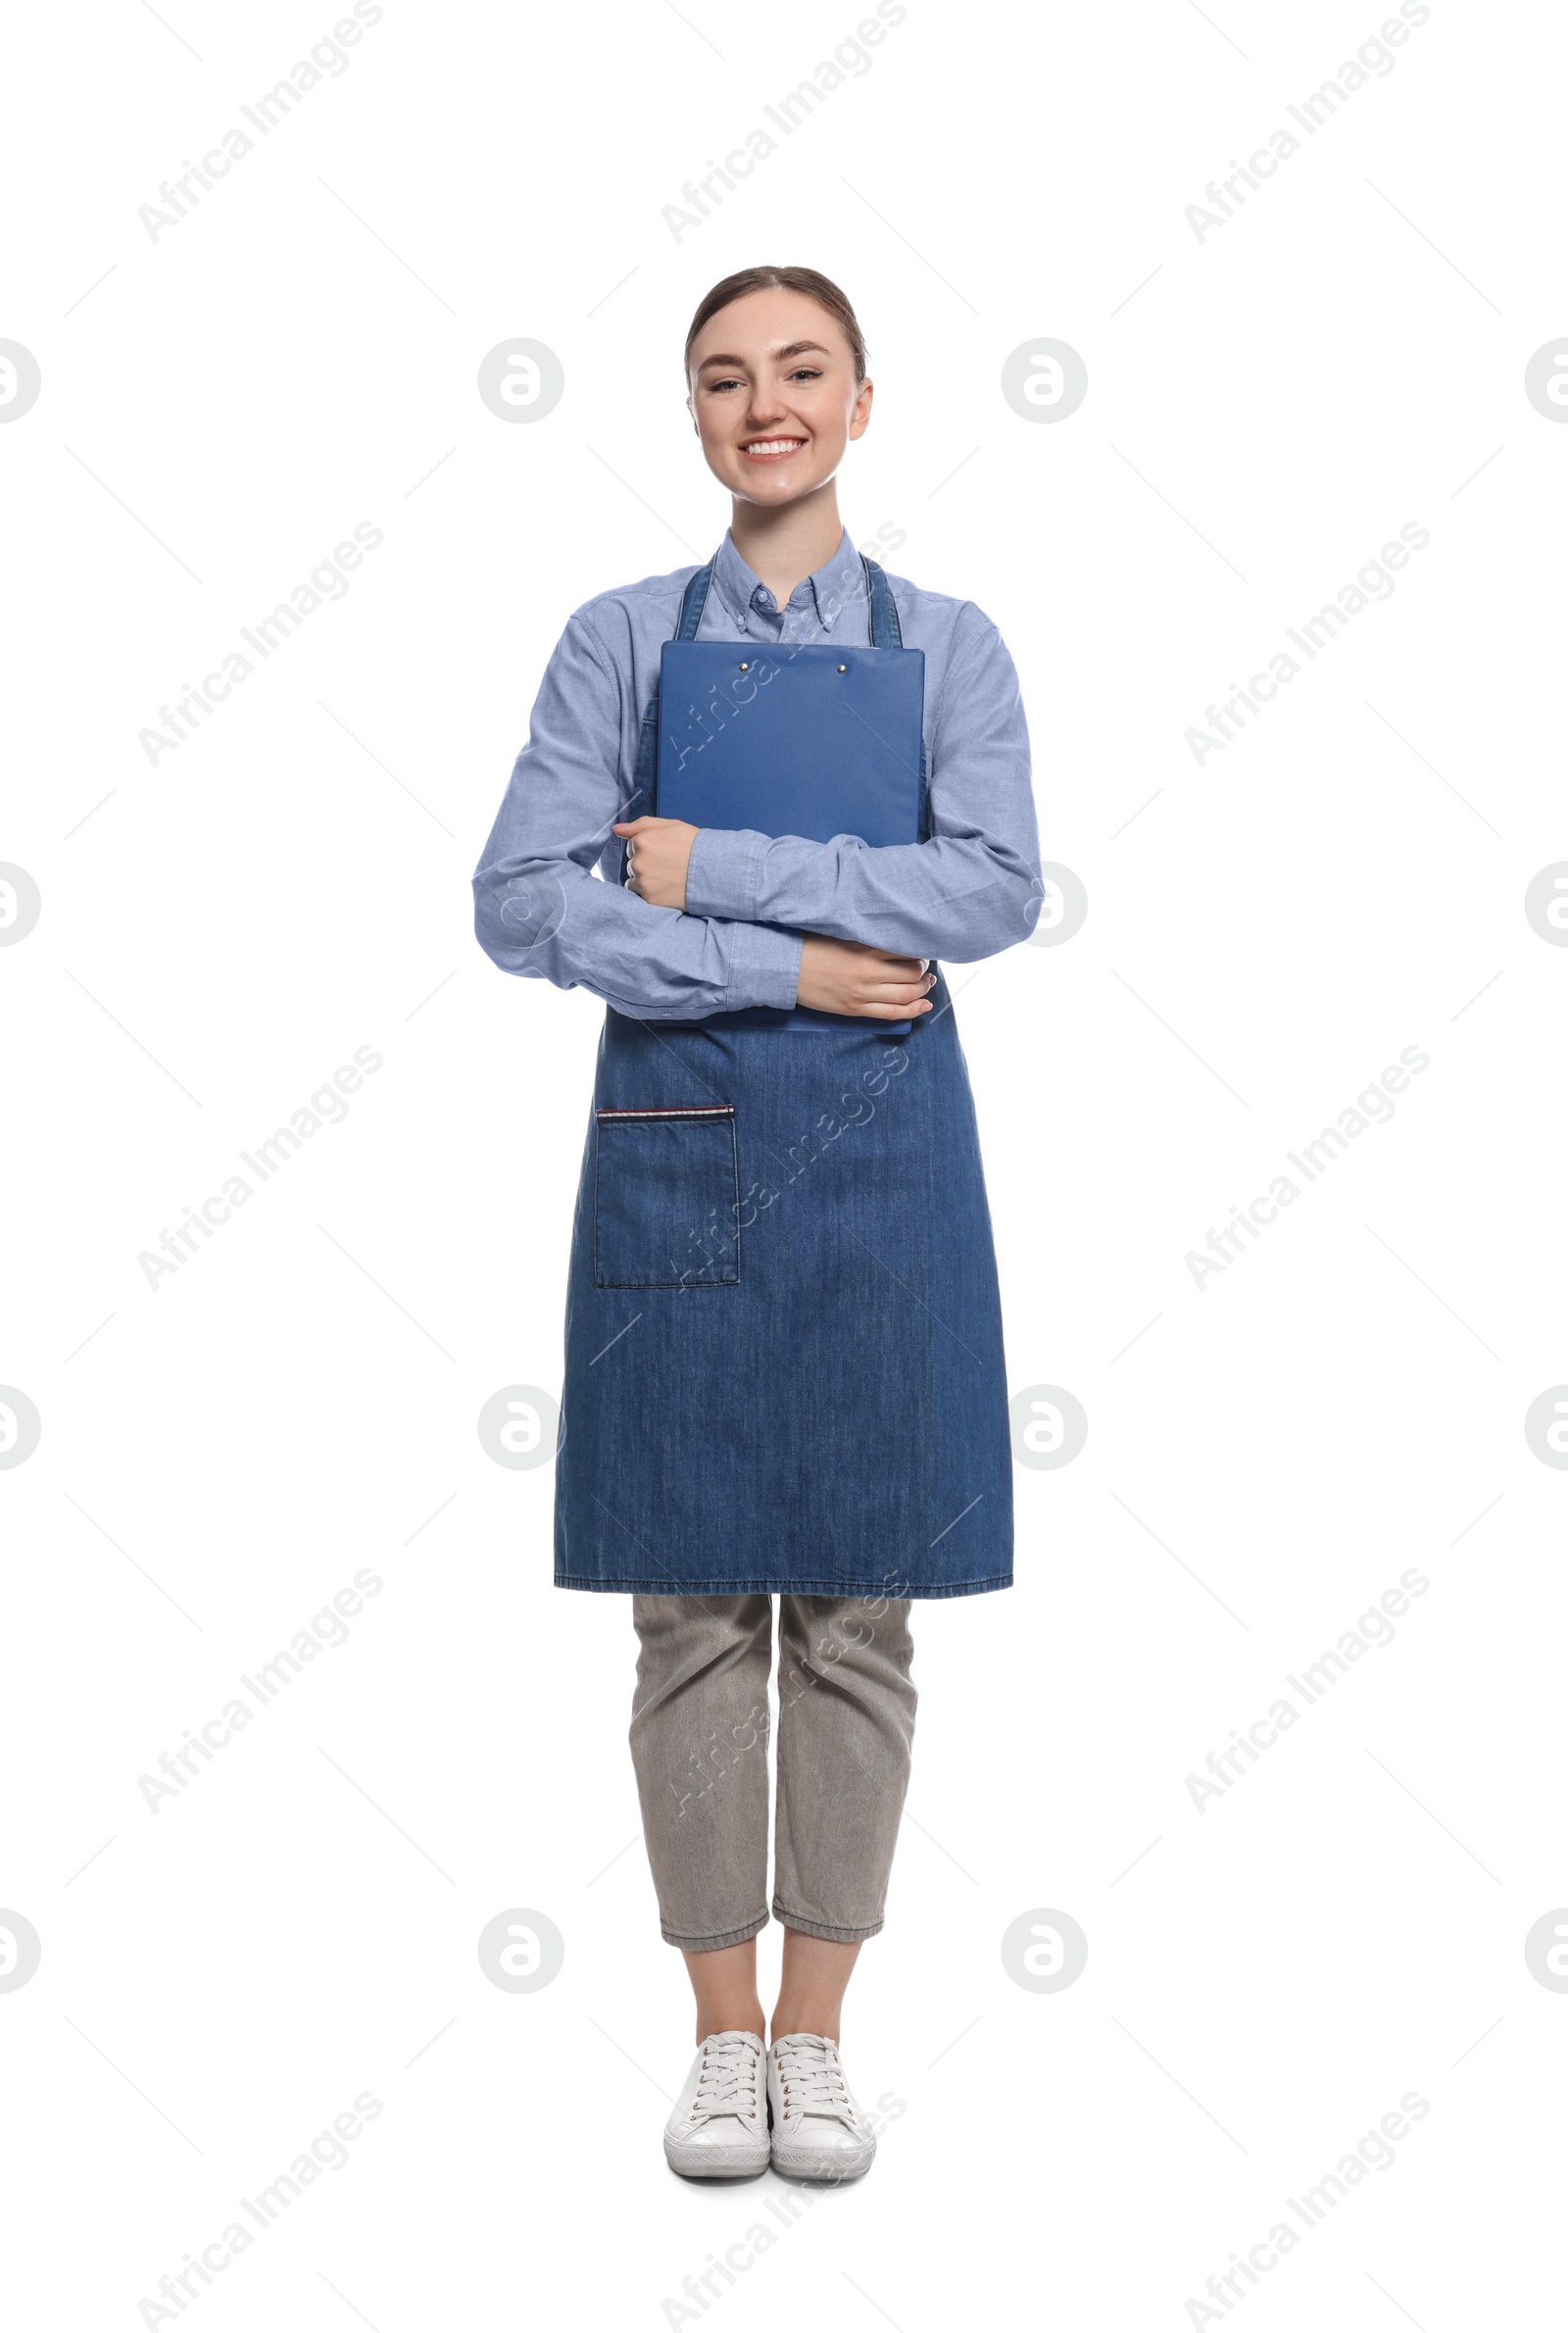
x,y
785,546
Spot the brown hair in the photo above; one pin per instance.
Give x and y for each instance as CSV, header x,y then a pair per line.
x,y
816,287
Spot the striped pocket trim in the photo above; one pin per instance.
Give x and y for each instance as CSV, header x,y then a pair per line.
x,y
708,1110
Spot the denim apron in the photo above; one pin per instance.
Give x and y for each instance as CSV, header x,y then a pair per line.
x,y
784,1363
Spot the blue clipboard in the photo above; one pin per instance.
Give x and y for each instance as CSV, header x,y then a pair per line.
x,y
802,740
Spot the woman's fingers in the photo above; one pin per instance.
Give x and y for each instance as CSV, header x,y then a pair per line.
x,y
899,990
888,1000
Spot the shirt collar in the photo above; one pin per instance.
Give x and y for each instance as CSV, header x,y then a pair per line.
x,y
833,587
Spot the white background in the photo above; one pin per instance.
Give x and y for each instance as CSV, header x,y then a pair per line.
x,y
219,1456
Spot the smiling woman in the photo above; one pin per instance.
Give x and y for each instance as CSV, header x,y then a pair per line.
x,y
779,1383
719,377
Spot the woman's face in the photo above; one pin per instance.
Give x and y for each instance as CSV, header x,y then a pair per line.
x,y
774,396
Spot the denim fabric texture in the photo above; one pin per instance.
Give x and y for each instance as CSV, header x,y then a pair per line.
x,y
808,1393
803,1390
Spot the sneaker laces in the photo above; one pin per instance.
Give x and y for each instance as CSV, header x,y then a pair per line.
x,y
726,2083
813,2078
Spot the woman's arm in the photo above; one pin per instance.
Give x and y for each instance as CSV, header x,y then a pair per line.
x,y
541,911
972,890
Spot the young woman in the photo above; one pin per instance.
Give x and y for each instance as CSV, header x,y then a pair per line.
x,y
784,1366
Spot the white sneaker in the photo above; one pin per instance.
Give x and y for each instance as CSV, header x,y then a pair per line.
x,y
818,2130
719,2127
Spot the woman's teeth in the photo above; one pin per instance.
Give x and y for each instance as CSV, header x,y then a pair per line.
x,y
774,445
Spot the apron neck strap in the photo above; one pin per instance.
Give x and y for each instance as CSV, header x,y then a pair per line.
x,y
692,601
886,631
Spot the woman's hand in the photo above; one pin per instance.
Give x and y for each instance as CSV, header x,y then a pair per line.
x,y
845,976
658,858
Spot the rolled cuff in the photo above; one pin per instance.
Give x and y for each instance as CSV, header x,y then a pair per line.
x,y
766,965
723,870
820,1929
713,1944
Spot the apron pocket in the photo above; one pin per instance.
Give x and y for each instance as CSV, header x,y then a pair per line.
x,y
667,1198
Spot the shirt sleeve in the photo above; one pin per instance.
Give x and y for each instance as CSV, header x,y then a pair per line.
x,y
540,909
972,890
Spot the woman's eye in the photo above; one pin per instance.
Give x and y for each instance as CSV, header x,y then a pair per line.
x,y
806,373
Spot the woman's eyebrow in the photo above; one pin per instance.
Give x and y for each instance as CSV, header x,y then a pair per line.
x,y
796,348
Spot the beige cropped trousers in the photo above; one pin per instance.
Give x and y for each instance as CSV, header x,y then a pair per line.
x,y
700,1730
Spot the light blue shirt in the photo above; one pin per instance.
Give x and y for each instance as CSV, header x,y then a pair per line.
x,y
541,909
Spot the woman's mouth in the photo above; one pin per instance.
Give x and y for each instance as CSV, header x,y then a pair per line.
x,y
772,449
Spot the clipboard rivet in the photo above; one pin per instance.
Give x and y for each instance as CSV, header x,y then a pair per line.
x,y
745,667
844,668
